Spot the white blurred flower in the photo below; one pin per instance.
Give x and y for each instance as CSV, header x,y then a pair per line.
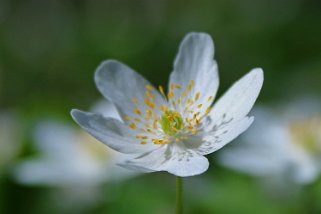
x,y
70,158
10,139
283,144
172,132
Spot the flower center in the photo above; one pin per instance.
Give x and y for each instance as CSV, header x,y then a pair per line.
x,y
174,121
306,134
171,122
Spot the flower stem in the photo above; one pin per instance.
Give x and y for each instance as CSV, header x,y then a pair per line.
x,y
179,195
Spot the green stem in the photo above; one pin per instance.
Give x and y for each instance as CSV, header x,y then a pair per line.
x,y
179,195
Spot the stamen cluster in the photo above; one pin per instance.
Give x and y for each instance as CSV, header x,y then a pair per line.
x,y
180,118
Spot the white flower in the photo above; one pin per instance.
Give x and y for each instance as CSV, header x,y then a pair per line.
x,y
172,132
282,146
70,158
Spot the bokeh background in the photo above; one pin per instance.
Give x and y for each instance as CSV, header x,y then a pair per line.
x,y
50,49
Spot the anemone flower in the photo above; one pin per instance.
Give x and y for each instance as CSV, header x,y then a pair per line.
x,y
72,161
172,131
285,145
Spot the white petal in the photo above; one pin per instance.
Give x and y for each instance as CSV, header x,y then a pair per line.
x,y
305,168
239,99
174,159
111,132
194,61
120,84
186,162
106,108
152,161
253,160
54,138
222,136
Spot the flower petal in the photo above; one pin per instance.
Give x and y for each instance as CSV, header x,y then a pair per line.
x,y
186,162
120,84
175,159
239,99
195,62
220,137
152,161
253,160
106,108
111,132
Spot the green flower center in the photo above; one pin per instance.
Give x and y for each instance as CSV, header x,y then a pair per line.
x,y
171,122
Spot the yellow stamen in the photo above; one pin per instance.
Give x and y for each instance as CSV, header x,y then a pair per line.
x,y
207,110
189,102
194,131
197,95
148,87
149,112
137,120
170,95
143,142
160,88
199,106
132,126
149,95
137,112
163,108
149,104
135,100
155,124
127,118
197,121
192,83
209,98
196,114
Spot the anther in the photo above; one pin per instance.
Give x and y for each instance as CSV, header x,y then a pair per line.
x,y
178,86
207,110
137,112
135,100
160,88
148,87
174,104
194,131
132,126
137,120
197,95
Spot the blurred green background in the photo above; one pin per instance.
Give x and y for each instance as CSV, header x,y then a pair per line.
x,y
50,49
